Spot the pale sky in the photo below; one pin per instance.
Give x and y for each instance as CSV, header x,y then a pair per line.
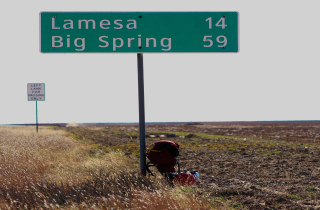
x,y
274,76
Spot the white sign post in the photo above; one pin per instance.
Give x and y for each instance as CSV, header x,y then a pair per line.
x,y
36,93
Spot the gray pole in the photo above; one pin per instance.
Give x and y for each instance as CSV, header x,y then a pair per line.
x,y
37,115
142,124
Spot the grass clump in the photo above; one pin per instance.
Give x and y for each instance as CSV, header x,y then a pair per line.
x,y
237,205
295,197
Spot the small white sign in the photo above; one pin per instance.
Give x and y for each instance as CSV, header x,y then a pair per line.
x,y
36,92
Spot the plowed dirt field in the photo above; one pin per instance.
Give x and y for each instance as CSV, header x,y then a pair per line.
x,y
257,166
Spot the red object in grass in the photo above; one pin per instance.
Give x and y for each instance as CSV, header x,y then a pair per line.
x,y
163,155
185,178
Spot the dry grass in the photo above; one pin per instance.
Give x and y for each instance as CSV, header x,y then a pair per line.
x,y
51,170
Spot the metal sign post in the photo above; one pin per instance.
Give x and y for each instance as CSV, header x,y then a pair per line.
x,y
37,115
36,92
142,128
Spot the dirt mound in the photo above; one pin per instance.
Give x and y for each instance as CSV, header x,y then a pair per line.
x,y
73,124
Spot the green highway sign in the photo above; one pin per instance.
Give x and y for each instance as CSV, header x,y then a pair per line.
x,y
138,32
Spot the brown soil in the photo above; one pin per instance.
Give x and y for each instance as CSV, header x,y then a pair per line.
x,y
251,166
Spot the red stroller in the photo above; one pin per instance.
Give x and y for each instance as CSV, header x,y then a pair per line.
x,y
163,155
